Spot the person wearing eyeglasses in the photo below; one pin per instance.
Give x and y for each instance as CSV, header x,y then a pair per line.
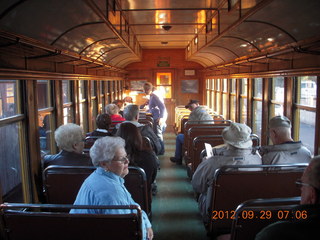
x,y
70,140
305,220
105,186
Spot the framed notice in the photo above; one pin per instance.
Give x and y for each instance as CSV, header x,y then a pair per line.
x,y
189,72
137,85
189,86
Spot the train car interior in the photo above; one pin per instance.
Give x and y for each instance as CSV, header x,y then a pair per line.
x,y
242,61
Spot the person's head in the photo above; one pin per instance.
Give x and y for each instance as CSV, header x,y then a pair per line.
x,y
119,103
310,183
131,112
280,129
110,154
112,109
131,134
147,87
192,104
69,137
103,121
237,135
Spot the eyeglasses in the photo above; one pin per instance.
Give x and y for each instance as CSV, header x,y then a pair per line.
x,y
123,160
299,183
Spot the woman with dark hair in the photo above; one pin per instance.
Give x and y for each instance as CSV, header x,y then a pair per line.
x,y
103,122
140,153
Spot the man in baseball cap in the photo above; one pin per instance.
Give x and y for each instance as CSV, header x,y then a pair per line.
x,y
284,149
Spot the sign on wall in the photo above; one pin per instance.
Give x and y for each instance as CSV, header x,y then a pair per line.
x,y
189,86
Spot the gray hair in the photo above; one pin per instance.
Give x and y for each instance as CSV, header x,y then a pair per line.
x,y
112,109
131,112
103,150
67,135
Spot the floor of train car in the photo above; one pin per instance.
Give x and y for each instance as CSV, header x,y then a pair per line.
x,y
175,212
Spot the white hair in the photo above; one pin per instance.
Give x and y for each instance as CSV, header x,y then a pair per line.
x,y
67,135
104,149
112,109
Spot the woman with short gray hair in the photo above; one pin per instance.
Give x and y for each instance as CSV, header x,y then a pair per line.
x,y
113,111
69,139
105,186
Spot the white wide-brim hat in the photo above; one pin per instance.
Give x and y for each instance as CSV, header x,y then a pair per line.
x,y
237,135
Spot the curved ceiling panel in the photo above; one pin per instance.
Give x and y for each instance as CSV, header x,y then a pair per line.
x,y
298,18
46,20
121,59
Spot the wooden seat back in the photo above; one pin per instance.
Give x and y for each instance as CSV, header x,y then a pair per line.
x,y
88,143
198,146
61,184
43,221
233,185
199,130
253,215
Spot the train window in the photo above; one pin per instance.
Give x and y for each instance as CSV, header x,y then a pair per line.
x,y
164,81
45,109
94,102
102,102
225,98
213,94
7,98
243,100
11,133
218,96
233,100
68,106
44,96
305,110
83,104
257,106
277,97
208,93
110,91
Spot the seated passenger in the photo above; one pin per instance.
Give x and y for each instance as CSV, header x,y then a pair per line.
x,y
105,186
69,139
237,151
103,122
131,114
140,153
120,104
305,223
197,114
284,150
113,111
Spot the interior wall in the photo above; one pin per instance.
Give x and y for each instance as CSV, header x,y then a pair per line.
x,y
149,66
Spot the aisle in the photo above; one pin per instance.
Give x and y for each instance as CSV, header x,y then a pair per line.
x,y
175,211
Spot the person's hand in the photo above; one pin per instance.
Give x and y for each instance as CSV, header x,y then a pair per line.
x,y
161,121
149,233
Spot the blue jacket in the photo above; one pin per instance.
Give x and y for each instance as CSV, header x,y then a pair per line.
x,y
106,188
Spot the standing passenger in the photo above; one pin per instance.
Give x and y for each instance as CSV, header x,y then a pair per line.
x,y
105,186
70,139
238,151
159,113
284,150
